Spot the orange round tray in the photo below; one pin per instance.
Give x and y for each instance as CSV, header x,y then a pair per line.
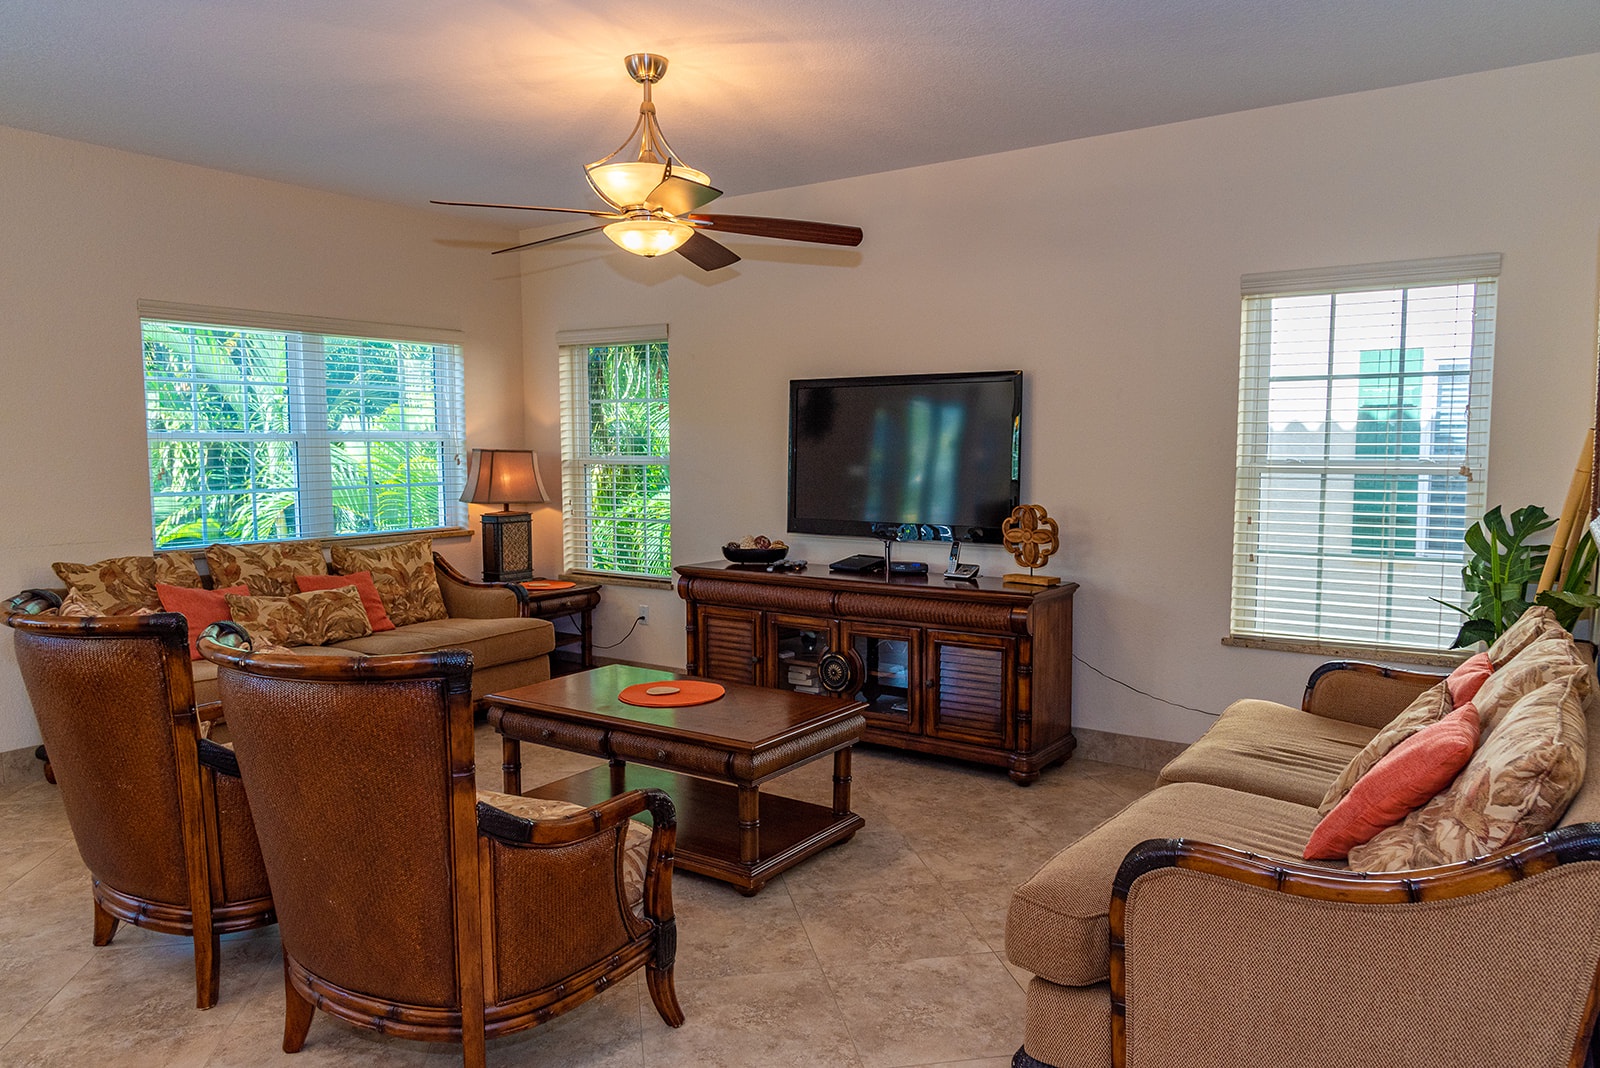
x,y
548,584
689,692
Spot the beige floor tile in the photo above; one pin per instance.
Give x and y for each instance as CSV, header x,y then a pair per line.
x,y
931,1010
783,1020
27,984
885,925
720,932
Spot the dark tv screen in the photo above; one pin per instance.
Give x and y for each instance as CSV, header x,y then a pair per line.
x,y
932,450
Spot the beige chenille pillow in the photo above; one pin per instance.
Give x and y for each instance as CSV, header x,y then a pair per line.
x,y
316,618
267,569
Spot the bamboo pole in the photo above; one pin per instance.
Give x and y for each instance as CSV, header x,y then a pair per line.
x,y
1575,535
1569,513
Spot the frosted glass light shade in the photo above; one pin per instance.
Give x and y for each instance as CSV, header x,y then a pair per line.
x,y
649,237
628,185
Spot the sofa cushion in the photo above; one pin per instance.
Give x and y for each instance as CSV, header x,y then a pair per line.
x,y
320,617
1260,747
199,607
268,569
1407,778
1430,706
404,574
361,582
121,585
1468,678
1585,807
1527,768
1536,624
490,641
1057,926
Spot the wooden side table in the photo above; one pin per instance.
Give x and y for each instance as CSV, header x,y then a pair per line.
x,y
577,600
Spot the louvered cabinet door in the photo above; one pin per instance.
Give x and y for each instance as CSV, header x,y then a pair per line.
x,y
730,645
969,686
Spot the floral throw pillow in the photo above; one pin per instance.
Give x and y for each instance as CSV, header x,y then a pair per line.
x,y
116,586
177,568
1527,769
76,605
407,582
316,618
1429,707
267,569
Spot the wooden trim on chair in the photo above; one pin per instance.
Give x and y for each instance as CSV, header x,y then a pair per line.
x,y
1424,679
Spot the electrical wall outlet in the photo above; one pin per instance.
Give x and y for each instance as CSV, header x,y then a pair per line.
x,y
644,615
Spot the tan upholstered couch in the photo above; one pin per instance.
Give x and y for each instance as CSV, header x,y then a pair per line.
x,y
1216,945
483,618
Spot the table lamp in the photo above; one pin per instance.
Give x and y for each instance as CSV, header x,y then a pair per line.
x,y
505,477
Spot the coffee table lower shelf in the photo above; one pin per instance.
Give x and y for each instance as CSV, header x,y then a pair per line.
x,y
708,830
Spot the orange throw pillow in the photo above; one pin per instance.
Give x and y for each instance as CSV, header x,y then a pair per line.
x,y
1468,678
200,607
362,581
1407,778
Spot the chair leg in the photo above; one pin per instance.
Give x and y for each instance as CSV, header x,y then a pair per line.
x,y
663,994
474,1048
207,966
297,1013
105,925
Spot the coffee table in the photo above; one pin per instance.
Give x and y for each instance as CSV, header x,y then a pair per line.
x,y
711,759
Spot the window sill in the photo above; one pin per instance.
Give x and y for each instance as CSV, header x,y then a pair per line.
x,y
381,538
1358,650
611,578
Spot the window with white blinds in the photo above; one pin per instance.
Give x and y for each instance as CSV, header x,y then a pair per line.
x,y
265,427
616,451
1363,445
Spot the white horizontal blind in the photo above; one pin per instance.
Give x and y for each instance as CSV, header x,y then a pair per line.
x,y
1363,445
259,430
616,456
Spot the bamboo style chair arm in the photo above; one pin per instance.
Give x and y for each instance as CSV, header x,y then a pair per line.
x,y
521,833
1566,845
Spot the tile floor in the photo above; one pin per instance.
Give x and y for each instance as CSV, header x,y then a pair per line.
x,y
885,951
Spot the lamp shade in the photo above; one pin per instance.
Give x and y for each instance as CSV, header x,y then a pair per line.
x,y
505,477
649,237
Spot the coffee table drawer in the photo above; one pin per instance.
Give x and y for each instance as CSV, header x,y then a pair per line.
x,y
540,731
680,756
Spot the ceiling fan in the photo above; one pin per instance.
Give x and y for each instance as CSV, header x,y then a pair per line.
x,y
655,198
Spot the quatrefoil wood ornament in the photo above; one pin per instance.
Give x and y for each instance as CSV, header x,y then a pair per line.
x,y
1033,537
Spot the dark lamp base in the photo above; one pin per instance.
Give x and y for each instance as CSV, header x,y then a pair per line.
x,y
507,546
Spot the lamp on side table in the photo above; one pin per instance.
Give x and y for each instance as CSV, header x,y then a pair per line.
x,y
505,477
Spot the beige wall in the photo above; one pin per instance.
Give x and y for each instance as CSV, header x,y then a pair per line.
x,y
86,232
1108,271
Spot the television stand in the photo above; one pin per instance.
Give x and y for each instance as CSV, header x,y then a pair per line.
x,y
974,670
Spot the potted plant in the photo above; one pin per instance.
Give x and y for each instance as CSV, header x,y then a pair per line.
x,y
1501,567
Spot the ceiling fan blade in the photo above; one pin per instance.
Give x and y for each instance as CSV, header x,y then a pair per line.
x,y
707,254
783,229
527,207
680,196
547,240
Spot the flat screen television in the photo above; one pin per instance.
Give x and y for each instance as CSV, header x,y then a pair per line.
x,y
927,450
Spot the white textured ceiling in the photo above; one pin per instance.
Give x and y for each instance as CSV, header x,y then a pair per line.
x,y
403,100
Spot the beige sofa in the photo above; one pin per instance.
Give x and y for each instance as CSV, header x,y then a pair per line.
x,y
1185,931
484,618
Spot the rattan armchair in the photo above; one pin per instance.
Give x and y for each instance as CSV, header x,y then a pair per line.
x,y
162,825
407,904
